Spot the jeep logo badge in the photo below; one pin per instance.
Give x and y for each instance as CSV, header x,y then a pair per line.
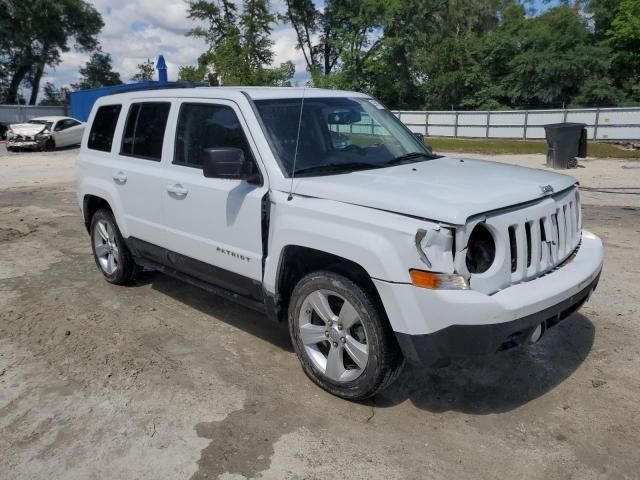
x,y
546,189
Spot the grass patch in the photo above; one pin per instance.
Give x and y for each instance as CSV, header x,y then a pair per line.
x,y
524,147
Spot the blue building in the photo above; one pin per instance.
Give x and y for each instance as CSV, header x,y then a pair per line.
x,y
82,101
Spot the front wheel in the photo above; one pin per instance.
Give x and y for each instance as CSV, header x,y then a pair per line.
x,y
109,250
342,337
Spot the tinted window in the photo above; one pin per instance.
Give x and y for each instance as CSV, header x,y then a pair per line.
x,y
144,131
103,127
63,125
202,126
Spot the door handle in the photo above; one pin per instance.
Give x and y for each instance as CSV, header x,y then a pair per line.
x,y
119,177
177,189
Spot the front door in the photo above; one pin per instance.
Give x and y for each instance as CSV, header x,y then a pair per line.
x,y
216,222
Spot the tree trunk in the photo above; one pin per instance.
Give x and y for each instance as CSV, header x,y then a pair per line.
x,y
16,80
35,85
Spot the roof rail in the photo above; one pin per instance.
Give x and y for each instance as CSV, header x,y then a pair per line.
x,y
160,86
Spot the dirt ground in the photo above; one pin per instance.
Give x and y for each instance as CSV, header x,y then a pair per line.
x,y
161,380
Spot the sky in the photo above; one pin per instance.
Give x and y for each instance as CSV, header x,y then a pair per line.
x,y
136,30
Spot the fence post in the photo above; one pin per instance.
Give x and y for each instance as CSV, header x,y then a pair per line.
x,y
486,133
455,126
595,128
426,124
564,118
526,124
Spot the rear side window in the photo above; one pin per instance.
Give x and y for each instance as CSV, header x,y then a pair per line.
x,y
201,126
144,130
103,128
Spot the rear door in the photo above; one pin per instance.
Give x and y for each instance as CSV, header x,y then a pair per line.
x,y
137,169
216,222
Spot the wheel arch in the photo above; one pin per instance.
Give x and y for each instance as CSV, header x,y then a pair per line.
x,y
296,261
90,205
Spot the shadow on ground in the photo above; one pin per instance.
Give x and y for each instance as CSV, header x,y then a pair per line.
x,y
491,384
496,383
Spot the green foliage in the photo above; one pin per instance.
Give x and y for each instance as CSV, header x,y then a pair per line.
x,y
240,48
35,33
97,72
471,54
55,96
623,38
146,71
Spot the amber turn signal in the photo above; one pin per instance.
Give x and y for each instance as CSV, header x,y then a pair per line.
x,y
438,281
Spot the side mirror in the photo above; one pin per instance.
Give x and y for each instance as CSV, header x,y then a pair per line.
x,y
419,136
229,163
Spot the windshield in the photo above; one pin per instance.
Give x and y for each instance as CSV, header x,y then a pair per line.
x,y
42,122
337,134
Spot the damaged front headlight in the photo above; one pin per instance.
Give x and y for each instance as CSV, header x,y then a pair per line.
x,y
43,136
10,134
481,250
435,248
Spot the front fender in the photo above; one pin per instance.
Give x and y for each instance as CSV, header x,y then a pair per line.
x,y
382,243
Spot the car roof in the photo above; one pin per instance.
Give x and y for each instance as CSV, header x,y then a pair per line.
x,y
232,93
53,118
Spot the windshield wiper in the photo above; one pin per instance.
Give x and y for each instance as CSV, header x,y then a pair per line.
x,y
411,157
336,167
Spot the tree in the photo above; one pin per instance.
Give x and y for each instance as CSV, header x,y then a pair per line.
x,y
623,38
240,48
55,96
146,72
34,34
97,72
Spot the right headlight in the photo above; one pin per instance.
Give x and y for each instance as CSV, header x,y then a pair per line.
x,y
481,250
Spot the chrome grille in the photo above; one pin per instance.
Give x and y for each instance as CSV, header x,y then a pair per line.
x,y
535,239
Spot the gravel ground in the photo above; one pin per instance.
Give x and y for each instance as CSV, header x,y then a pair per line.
x,y
161,380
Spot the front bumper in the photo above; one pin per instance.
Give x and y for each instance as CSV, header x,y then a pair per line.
x,y
431,325
24,144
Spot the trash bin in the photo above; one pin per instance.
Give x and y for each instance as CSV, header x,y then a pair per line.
x,y
565,142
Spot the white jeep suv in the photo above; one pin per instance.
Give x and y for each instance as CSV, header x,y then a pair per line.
x,y
320,209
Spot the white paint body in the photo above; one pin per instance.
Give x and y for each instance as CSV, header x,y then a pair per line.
x,y
65,131
368,217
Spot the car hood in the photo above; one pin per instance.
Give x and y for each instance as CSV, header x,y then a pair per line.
x,y
27,128
446,189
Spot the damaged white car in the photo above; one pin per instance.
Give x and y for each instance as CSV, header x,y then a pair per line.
x,y
322,210
45,133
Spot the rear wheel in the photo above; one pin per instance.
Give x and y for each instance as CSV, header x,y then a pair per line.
x,y
110,251
342,337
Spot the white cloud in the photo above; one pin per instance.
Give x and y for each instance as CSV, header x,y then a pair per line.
x,y
140,29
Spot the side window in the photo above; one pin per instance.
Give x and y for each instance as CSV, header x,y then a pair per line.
x,y
201,126
62,125
103,128
72,123
144,130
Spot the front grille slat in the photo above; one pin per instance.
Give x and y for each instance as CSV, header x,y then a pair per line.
x,y
521,260
536,250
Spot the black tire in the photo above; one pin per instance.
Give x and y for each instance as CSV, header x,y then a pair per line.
x,y
50,145
384,357
127,269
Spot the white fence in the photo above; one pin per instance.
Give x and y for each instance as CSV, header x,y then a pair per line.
x,y
22,113
605,124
